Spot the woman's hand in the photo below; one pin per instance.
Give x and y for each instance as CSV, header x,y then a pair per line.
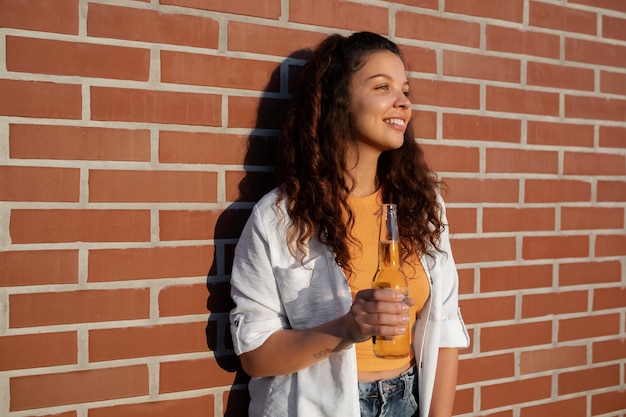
x,y
378,312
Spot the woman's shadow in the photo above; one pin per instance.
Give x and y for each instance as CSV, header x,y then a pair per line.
x,y
259,178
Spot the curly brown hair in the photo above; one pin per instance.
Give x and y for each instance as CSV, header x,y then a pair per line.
x,y
312,166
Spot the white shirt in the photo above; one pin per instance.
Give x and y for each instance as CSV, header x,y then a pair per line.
x,y
272,291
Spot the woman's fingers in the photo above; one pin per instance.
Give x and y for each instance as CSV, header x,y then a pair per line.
x,y
379,312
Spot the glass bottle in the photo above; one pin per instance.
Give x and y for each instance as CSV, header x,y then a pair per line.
x,y
389,275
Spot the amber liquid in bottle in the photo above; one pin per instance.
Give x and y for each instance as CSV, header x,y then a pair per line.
x,y
389,275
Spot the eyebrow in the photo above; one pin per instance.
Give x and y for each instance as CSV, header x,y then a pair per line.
x,y
386,76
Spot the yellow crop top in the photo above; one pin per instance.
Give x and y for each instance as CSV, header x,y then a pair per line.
x,y
366,211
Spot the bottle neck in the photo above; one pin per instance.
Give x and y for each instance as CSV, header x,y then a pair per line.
x,y
388,254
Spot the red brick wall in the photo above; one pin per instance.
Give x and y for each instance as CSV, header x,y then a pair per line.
x,y
136,135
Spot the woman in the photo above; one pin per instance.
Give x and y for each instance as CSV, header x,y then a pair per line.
x,y
301,281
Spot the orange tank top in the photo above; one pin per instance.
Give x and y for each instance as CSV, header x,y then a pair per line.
x,y
366,212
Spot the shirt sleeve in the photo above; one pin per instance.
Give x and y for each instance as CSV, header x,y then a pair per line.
x,y
258,311
453,331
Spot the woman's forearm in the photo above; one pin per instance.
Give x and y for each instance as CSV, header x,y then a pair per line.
x,y
445,383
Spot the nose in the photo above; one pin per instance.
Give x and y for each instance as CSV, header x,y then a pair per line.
x,y
402,100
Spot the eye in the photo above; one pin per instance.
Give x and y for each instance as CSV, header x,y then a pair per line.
x,y
384,87
406,93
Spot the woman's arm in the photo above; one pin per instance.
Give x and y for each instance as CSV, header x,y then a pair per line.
x,y
373,312
445,383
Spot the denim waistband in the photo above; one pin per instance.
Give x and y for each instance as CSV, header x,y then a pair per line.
x,y
386,388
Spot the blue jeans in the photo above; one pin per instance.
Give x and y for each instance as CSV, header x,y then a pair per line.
x,y
396,397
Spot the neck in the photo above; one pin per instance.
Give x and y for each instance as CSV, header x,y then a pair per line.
x,y
364,175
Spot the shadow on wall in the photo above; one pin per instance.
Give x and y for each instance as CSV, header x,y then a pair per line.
x,y
262,148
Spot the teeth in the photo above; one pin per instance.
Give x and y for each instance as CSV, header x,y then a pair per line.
x,y
398,122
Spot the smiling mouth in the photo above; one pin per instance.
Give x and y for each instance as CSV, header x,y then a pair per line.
x,y
395,122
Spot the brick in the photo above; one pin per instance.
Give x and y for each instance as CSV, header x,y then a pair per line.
x,y
39,184
106,21
562,302
483,250
442,158
596,108
515,278
555,247
610,245
567,19
424,124
587,273
54,226
108,265
464,402
198,374
574,407
445,93
270,40
178,300
559,134
78,143
609,350
604,4
504,219
581,163
613,136
608,298
611,191
40,99
46,56
488,309
255,112
200,224
151,106
525,42
466,281
468,190
613,82
38,350
558,357
38,267
188,225
218,71
189,407
613,27
606,402
522,101
76,387
248,186
522,161
269,9
551,191
140,342
588,379
202,148
598,53
462,220
588,327
461,64
515,336
515,392
481,128
340,14
81,306
560,76
420,59
510,10
437,29
152,186
486,368
59,16
580,218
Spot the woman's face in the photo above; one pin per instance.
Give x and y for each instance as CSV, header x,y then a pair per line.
x,y
379,104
